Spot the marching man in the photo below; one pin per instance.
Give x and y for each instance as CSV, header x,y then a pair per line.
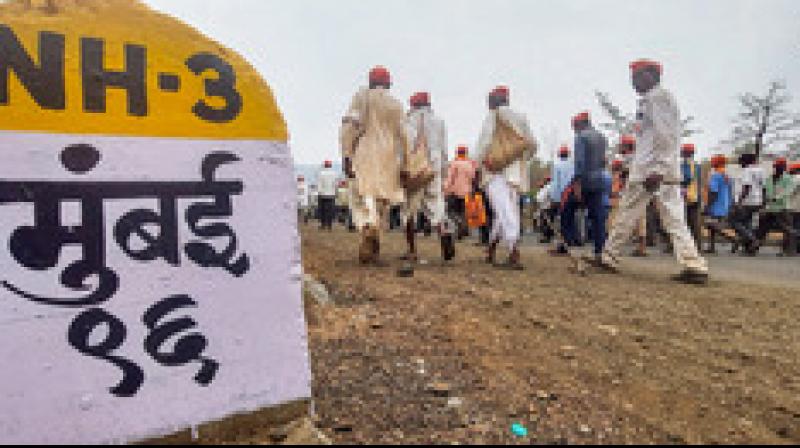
x,y
423,181
589,182
504,147
302,200
656,174
326,181
563,175
458,186
374,143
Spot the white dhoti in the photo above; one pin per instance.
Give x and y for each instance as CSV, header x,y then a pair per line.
x,y
505,204
672,212
368,211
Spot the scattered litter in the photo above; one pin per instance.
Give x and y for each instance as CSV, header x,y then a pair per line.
x,y
519,430
455,402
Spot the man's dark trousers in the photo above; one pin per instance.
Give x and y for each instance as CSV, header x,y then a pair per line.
x,y
327,211
597,215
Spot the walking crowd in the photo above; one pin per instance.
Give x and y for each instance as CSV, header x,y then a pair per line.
x,y
647,188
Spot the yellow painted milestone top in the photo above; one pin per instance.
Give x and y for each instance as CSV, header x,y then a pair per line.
x,y
115,67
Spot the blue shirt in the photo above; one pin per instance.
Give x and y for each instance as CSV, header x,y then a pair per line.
x,y
607,187
590,159
720,185
563,172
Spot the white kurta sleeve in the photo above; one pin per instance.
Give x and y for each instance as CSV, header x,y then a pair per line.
x,y
352,125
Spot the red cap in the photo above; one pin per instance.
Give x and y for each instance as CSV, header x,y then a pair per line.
x,y
581,117
628,140
548,179
420,99
719,160
299,178
781,162
617,164
564,150
380,75
642,64
328,164
687,148
794,168
462,150
501,92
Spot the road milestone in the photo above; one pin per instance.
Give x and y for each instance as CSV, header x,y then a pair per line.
x,y
150,266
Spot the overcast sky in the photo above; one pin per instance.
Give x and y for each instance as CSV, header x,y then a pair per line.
x,y
553,54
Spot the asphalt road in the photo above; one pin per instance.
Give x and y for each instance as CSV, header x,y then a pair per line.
x,y
765,269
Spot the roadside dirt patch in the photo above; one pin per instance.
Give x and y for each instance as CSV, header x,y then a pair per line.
x,y
461,353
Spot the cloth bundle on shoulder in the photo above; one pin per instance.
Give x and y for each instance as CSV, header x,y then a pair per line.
x,y
507,146
475,211
418,165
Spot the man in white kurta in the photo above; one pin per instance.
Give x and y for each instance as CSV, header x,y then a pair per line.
x,y
302,199
374,142
655,174
503,187
423,123
326,183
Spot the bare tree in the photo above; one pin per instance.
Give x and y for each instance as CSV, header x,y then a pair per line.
x,y
687,129
765,120
622,123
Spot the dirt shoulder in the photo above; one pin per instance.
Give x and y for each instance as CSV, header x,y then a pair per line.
x,y
459,354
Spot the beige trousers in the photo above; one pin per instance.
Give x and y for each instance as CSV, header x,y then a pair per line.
x,y
672,212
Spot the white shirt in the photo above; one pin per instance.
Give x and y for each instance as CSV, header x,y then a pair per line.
x,y
327,182
543,196
754,177
563,173
302,195
658,137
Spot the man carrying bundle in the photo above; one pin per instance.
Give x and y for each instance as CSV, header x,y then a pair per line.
x,y
422,175
374,143
504,147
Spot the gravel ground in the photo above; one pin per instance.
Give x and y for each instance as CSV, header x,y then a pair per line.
x,y
459,354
